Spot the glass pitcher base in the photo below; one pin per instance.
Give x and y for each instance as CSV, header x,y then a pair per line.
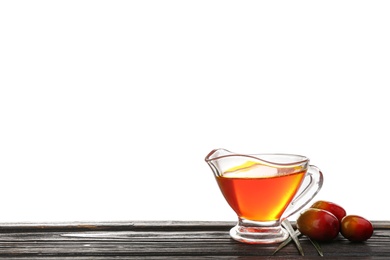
x,y
258,234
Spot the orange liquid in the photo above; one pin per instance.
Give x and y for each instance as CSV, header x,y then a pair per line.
x,y
260,199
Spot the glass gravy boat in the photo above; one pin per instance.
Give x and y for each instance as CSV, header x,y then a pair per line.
x,y
263,190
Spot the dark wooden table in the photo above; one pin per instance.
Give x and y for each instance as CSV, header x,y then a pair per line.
x,y
166,240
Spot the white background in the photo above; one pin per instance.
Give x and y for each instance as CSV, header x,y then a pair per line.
x,y
108,108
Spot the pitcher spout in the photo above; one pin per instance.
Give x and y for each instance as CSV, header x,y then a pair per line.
x,y
216,154
213,157
222,161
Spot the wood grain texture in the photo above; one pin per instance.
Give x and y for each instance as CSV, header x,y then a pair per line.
x,y
165,240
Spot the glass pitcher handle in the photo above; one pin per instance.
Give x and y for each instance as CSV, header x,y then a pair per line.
x,y
306,192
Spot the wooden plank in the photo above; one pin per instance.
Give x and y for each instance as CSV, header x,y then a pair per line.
x,y
164,240
132,225
144,225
